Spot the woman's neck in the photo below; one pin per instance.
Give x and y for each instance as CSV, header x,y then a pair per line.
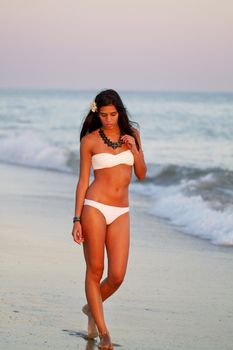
x,y
112,132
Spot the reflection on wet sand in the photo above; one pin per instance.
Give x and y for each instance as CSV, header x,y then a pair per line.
x,y
91,343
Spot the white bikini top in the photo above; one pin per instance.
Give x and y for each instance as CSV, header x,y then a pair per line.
x,y
108,160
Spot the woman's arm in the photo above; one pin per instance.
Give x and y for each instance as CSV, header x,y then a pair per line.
x,y
140,168
83,183
84,174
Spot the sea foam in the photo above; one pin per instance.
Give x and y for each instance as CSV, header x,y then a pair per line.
x,y
29,149
191,214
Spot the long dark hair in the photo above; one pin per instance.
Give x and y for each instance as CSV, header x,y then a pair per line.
x,y
104,98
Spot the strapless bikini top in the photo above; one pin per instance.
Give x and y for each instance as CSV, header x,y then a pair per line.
x,y
107,160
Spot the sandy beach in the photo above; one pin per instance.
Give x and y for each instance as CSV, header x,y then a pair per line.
x,y
177,293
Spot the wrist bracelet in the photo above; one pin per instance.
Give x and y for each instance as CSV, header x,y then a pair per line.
x,y
76,218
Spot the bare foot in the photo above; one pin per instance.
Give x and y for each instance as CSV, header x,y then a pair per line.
x,y
105,341
92,331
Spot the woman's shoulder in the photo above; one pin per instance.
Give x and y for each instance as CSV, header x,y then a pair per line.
x,y
89,138
137,135
135,130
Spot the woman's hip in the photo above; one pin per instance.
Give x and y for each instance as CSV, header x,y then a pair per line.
x,y
110,212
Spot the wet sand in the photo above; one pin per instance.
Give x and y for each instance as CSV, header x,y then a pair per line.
x,y
177,293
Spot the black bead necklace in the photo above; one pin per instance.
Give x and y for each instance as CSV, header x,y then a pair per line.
x,y
106,140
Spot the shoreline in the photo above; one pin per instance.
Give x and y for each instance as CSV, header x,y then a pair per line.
x,y
176,294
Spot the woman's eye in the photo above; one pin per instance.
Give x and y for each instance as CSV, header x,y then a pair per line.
x,y
112,115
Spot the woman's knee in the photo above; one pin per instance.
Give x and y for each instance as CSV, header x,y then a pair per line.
x,y
95,273
116,279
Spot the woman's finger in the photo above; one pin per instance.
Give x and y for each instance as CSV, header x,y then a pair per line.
x,y
80,235
78,238
127,139
77,234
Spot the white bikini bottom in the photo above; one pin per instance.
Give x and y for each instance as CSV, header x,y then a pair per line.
x,y
110,212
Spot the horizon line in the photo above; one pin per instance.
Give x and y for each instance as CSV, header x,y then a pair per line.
x,y
135,90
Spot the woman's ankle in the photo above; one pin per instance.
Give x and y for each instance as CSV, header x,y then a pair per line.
x,y
103,332
105,341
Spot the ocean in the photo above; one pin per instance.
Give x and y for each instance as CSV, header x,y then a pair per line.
x,y
187,143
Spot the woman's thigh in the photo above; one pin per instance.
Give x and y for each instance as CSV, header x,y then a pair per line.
x,y
94,233
117,245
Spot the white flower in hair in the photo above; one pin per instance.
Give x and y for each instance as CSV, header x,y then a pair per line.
x,y
94,107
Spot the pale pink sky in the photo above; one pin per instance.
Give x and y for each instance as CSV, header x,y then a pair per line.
x,y
122,44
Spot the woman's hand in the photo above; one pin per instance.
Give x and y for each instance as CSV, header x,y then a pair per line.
x,y
77,232
129,141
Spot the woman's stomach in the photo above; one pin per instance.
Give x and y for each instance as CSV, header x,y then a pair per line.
x,y
111,186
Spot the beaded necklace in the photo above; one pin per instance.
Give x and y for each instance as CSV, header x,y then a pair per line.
x,y
106,140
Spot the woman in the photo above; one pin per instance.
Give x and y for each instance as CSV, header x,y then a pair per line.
x,y
111,145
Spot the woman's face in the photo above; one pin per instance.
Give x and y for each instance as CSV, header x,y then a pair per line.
x,y
108,116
